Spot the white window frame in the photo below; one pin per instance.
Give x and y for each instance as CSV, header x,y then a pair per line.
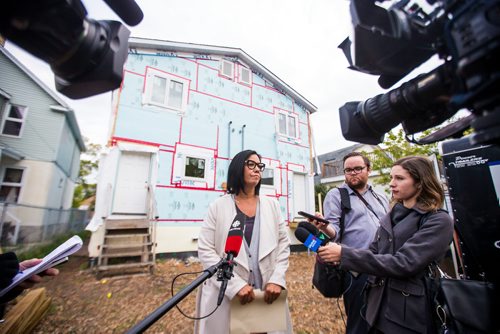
x,y
6,119
148,91
13,184
270,186
194,156
287,116
222,67
240,75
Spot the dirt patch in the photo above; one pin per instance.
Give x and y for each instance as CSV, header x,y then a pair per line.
x,y
83,304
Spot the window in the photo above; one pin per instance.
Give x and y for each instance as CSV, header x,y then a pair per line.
x,y
292,129
195,168
11,185
13,122
245,75
287,125
226,69
164,90
267,177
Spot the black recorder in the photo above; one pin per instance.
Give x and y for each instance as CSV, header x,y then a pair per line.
x,y
310,216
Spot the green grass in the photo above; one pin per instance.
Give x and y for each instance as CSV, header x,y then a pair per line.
x,y
42,250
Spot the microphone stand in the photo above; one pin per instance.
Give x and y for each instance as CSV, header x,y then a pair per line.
x,y
167,306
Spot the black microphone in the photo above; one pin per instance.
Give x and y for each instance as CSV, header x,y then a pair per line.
x,y
314,230
232,248
310,236
127,10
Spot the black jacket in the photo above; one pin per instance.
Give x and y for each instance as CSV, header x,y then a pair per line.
x,y
397,259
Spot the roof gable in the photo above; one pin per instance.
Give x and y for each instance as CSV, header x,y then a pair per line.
x,y
144,43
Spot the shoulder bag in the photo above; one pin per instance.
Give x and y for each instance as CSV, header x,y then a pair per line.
x,y
327,278
459,306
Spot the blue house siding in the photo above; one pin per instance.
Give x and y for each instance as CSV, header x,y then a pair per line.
x,y
47,151
40,136
221,116
68,150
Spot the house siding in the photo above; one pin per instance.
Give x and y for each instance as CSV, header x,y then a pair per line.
x,y
41,133
48,151
67,152
222,118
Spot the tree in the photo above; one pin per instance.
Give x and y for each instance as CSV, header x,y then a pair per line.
x,y
88,166
394,147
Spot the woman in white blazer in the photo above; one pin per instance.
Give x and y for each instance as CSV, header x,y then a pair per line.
x,y
263,258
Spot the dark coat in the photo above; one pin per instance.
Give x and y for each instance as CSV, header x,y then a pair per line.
x,y
397,259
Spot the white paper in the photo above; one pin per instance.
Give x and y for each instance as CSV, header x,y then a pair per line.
x,y
58,255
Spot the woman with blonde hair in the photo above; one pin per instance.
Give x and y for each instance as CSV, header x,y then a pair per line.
x,y
411,236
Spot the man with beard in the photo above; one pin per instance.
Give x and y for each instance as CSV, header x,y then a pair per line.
x,y
361,224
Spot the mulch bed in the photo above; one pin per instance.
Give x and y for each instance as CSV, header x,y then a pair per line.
x,y
83,304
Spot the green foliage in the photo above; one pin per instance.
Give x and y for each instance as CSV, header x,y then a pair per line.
x,y
88,165
394,147
319,189
42,250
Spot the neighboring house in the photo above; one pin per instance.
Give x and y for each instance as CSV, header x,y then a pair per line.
x,y
40,145
182,112
332,166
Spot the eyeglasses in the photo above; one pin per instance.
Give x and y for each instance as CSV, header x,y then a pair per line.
x,y
355,170
252,164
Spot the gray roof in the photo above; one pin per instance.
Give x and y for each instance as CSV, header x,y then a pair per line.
x,y
338,154
136,42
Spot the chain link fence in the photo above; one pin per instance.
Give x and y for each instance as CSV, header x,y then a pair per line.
x,y
22,226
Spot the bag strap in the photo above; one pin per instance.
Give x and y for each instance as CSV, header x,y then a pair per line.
x,y
433,268
345,206
368,204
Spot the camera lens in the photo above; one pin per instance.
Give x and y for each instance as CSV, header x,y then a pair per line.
x,y
418,104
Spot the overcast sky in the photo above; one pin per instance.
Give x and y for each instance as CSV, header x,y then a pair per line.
x,y
295,39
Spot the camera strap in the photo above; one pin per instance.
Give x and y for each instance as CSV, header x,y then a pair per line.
x,y
368,204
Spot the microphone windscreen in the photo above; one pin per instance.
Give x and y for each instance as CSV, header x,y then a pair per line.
x,y
235,235
233,244
310,227
301,234
127,10
308,239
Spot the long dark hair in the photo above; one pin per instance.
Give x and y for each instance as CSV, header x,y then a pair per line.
x,y
421,170
235,179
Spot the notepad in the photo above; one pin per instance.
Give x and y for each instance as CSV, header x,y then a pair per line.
x,y
258,316
57,256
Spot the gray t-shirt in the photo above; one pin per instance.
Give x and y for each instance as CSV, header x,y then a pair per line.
x,y
360,223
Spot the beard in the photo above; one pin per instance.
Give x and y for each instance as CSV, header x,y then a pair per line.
x,y
357,184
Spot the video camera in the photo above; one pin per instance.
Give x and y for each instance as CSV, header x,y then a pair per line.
x,y
392,41
86,55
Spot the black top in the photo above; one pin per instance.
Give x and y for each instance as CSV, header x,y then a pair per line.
x,y
247,226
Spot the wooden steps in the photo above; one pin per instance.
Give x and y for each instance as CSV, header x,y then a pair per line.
x,y
127,246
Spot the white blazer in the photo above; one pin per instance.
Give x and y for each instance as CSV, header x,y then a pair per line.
x,y
274,250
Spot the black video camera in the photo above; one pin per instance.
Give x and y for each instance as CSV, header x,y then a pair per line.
x,y
391,41
86,55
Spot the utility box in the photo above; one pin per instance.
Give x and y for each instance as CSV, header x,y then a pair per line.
x,y
473,175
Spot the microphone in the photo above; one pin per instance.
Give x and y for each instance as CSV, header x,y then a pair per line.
x,y
127,10
235,236
310,236
232,248
314,230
